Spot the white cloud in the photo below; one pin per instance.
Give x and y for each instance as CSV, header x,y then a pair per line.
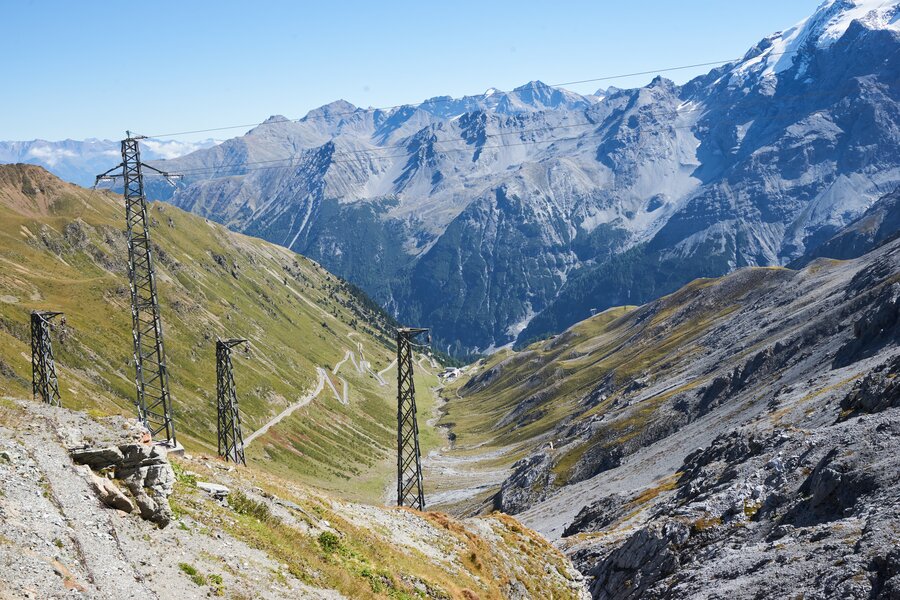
x,y
50,156
174,149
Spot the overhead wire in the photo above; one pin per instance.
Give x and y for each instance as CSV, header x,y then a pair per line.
x,y
353,154
441,100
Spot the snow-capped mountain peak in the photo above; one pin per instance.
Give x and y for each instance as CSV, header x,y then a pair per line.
x,y
829,23
872,14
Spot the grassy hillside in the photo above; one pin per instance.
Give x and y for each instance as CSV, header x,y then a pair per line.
x,y
515,402
63,248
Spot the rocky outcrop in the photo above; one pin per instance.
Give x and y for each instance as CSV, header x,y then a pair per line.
x,y
109,493
886,582
761,364
878,391
769,514
878,225
529,483
834,487
598,514
141,467
647,556
877,327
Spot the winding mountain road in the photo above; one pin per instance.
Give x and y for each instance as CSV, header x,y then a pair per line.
x,y
306,399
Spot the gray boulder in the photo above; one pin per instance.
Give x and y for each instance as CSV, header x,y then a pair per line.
x,y
154,507
145,471
598,515
878,391
97,458
110,494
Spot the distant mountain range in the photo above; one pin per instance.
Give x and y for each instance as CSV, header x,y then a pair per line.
x,y
507,216
79,161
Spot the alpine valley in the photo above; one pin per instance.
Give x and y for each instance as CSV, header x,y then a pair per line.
x,y
668,317
504,217
507,216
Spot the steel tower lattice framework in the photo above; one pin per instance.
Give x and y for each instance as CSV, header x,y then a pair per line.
x,y
153,401
43,368
231,440
409,460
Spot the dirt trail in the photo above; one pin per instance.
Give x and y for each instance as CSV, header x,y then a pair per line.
x,y
94,557
380,374
334,390
337,367
320,383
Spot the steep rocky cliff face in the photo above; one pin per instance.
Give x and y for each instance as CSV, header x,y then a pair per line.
x,y
508,216
767,512
878,225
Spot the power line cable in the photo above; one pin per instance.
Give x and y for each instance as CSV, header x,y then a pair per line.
x,y
217,169
435,101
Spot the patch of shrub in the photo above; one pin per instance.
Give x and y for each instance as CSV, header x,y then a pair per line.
x,y
247,506
192,572
329,542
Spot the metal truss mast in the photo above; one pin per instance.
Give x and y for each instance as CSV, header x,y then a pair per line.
x,y
231,440
153,401
409,460
43,368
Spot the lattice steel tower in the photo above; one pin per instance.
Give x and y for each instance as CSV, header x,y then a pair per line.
x,y
154,404
409,460
43,368
231,440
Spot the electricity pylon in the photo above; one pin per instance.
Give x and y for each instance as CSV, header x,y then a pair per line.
x,y
409,459
43,368
231,440
154,404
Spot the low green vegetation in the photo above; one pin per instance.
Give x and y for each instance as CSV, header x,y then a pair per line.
x,y
192,572
251,508
214,581
329,542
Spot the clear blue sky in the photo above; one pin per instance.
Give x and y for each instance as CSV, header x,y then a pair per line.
x,y
78,69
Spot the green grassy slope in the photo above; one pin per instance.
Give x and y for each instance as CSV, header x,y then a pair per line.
x,y
62,247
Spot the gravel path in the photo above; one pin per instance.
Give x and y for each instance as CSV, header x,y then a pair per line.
x,y
337,367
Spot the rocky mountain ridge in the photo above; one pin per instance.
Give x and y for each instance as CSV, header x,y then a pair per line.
x,y
727,439
877,226
505,217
